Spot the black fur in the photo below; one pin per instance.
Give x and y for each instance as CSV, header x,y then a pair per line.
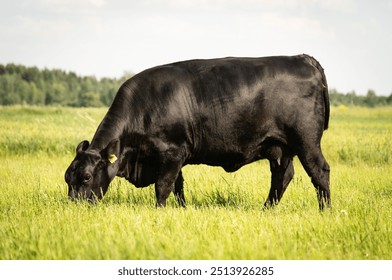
x,y
222,112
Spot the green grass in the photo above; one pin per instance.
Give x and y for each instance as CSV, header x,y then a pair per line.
x,y
223,220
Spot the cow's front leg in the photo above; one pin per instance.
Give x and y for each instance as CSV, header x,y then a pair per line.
x,y
162,192
179,190
168,174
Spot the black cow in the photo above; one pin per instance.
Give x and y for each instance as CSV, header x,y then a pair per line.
x,y
222,112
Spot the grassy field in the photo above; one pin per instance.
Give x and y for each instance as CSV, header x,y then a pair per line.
x,y
223,220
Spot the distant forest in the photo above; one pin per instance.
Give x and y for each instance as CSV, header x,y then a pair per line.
x,y
32,86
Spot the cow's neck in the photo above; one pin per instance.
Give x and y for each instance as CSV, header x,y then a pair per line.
x,y
111,127
117,121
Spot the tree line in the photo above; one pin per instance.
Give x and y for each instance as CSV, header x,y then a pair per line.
x,y
32,86
352,99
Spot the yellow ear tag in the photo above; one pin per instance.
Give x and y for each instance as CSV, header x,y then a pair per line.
x,y
112,158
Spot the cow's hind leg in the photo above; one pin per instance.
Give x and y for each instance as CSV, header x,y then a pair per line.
x,y
179,190
318,169
282,171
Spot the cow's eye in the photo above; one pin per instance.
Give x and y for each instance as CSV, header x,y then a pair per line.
x,y
86,178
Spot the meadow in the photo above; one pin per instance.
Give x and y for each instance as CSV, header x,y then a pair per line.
x,y
224,218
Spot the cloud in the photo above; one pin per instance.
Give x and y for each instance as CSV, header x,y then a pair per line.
x,y
341,6
105,37
252,5
292,25
69,6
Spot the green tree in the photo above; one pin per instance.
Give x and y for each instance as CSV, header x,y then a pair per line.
x,y
8,90
56,94
37,97
90,99
389,99
31,74
371,98
22,88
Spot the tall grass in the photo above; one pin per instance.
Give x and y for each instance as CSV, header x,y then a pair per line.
x,y
223,219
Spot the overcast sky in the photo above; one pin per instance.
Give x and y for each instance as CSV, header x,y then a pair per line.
x,y
351,39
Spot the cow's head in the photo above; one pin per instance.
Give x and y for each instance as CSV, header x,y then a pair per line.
x,y
90,173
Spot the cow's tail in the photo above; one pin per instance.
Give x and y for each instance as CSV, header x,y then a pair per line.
x,y
318,66
326,96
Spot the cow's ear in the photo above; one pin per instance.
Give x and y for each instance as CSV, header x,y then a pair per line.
x,y
82,146
112,151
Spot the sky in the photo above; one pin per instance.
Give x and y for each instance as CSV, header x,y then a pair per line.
x,y
108,38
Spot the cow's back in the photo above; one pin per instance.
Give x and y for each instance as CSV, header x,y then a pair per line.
x,y
214,82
